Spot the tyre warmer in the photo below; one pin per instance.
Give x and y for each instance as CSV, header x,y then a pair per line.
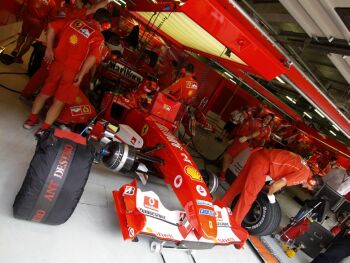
x,y
142,213
55,179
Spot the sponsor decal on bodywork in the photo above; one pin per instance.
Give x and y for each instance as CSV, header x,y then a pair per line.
x,y
151,203
193,173
203,202
178,181
201,190
206,212
80,110
129,190
128,73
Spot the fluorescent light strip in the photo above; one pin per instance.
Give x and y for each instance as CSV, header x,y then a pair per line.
x,y
308,115
332,132
314,104
319,113
280,80
335,127
228,74
122,2
291,99
233,81
115,1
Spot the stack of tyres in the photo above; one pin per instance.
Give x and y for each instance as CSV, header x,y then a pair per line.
x,y
55,179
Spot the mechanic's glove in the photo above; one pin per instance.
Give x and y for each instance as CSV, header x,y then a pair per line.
x,y
272,198
243,139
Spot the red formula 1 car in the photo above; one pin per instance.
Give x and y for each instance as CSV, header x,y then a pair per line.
x,y
162,154
138,136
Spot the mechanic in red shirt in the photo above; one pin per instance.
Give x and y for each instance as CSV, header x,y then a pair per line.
x,y
78,48
264,131
36,16
284,167
185,88
254,133
65,9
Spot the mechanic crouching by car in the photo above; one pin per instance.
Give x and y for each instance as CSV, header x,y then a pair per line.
x,y
284,167
78,48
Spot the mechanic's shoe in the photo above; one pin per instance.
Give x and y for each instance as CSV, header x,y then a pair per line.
x,y
7,59
30,123
39,133
18,60
14,53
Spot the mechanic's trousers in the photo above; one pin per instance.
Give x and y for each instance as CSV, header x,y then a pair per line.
x,y
236,148
248,184
36,81
339,250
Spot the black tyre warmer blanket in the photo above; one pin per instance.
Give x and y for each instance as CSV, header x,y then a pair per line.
x,y
55,179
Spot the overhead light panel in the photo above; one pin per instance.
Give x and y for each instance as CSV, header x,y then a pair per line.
x,y
188,33
233,81
335,127
332,132
122,2
280,80
291,99
319,113
307,114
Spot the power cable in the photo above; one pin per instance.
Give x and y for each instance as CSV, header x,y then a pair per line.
x,y
9,89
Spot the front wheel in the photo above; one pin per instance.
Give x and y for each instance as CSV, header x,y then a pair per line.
x,y
263,218
211,180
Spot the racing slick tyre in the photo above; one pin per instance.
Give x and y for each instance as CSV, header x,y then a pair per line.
x,y
263,218
55,179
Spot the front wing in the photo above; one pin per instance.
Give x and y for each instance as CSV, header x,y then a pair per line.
x,y
142,213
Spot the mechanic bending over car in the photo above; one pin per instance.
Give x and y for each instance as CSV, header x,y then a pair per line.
x,y
185,88
79,47
65,9
254,132
284,167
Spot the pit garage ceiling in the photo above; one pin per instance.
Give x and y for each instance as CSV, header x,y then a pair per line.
x,y
313,33
317,35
